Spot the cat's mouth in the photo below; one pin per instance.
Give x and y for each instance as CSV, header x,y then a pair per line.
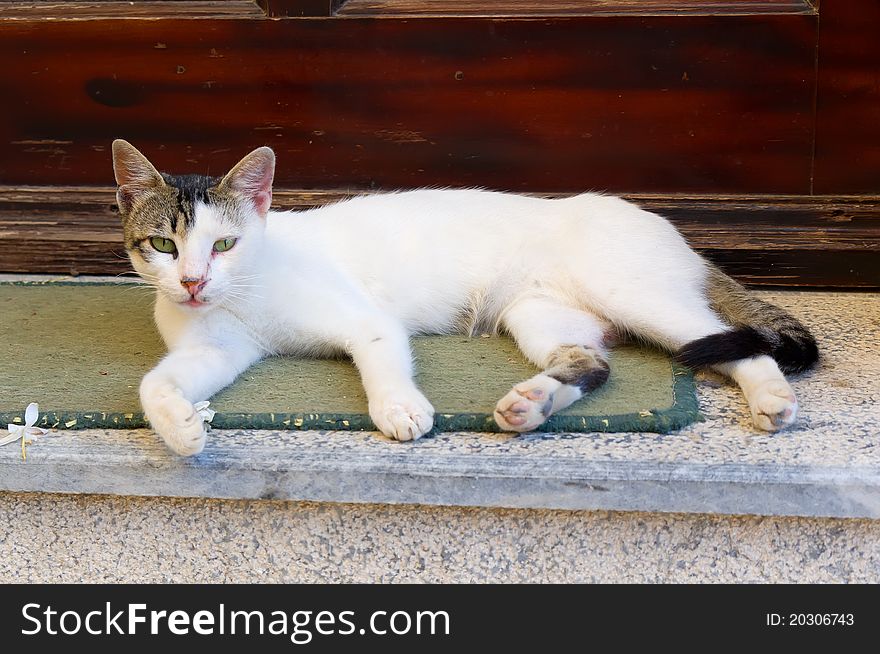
x,y
197,301
194,302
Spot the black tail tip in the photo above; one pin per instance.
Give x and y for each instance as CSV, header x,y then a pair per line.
x,y
794,351
736,344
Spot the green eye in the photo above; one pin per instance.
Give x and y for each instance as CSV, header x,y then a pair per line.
x,y
165,245
224,244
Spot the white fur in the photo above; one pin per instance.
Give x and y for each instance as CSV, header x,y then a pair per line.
x,y
359,277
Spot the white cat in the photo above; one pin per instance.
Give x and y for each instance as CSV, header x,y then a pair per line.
x,y
237,282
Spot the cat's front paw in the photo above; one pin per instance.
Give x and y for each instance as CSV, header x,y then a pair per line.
x,y
175,419
403,416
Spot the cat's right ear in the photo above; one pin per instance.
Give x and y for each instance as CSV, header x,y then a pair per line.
x,y
135,175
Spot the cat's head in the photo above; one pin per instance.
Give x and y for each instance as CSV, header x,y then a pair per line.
x,y
195,238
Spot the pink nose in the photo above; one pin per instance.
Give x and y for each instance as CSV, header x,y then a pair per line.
x,y
193,285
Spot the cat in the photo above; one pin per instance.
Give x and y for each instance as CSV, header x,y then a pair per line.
x,y
564,277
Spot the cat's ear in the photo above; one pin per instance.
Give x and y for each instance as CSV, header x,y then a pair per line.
x,y
252,178
135,175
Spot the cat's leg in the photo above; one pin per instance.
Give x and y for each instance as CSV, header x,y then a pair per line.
x,y
382,355
568,344
771,399
188,374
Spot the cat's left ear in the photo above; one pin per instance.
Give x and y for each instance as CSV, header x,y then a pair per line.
x,y
252,177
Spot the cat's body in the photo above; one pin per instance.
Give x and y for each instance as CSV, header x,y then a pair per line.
x,y
442,261
564,277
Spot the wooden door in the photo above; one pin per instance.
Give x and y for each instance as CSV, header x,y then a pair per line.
x,y
751,123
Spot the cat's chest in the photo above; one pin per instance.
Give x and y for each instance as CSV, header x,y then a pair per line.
x,y
295,320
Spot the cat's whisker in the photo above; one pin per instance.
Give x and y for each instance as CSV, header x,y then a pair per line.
x,y
139,285
145,280
241,276
242,296
247,288
145,292
242,299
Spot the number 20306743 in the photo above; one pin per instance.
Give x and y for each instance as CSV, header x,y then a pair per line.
x,y
810,620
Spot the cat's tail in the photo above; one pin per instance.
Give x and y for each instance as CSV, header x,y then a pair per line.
x,y
758,328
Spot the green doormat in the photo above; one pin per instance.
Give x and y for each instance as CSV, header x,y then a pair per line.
x,y
80,350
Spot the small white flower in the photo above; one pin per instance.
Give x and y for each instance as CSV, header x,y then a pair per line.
x,y
27,431
203,410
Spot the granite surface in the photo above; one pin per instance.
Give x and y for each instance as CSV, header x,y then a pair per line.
x,y
827,464
69,538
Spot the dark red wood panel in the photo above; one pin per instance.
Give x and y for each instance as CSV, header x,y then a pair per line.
x,y
627,103
848,100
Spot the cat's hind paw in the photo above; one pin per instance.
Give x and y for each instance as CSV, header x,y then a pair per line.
x,y
528,405
404,417
773,405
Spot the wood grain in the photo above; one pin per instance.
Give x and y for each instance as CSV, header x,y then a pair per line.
x,y
499,8
145,9
848,100
698,104
794,241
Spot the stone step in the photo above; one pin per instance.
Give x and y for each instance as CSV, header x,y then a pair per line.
x,y
828,464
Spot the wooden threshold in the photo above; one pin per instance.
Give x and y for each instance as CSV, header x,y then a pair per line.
x,y
830,242
536,8
148,10
293,9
